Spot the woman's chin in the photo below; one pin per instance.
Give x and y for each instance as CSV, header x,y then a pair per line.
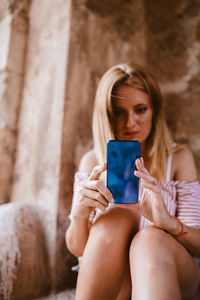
x,y
130,138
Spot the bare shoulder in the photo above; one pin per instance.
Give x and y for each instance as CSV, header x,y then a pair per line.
x,y
88,162
184,165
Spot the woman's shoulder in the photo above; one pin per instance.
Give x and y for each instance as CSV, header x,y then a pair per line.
x,y
88,162
184,168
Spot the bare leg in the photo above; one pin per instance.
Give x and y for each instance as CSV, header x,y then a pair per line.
x,y
126,288
105,259
161,268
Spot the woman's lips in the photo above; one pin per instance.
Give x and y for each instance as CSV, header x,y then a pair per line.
x,y
130,133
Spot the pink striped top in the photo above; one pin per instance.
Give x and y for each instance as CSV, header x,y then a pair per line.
x,y
182,199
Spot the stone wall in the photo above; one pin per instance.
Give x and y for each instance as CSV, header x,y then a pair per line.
x,y
173,54
37,167
13,38
33,64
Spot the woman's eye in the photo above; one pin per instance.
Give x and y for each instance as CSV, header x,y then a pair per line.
x,y
118,112
141,110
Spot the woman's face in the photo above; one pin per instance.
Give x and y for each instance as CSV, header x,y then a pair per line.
x,y
132,114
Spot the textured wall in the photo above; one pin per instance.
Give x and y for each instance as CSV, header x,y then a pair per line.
x,y
36,175
13,36
173,55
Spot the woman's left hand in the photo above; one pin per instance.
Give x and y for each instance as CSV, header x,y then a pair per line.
x,y
152,205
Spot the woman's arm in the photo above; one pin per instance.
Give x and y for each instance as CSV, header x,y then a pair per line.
x,y
183,166
93,194
77,235
191,240
185,170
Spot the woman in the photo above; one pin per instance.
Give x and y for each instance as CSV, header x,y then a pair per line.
x,y
139,251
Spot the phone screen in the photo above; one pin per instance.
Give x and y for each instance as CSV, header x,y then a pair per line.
x,y
121,181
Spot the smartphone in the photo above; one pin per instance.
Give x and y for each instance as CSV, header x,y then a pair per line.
x,y
121,181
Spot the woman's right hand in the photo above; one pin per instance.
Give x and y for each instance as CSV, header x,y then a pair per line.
x,y
93,194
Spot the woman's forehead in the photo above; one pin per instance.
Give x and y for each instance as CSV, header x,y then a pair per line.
x,y
129,95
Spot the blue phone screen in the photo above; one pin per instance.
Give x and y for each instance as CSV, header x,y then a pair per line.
x,y
121,181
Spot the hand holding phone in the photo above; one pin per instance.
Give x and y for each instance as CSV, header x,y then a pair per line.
x,y
121,181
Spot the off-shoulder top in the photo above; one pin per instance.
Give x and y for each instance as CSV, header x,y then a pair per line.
x,y
182,199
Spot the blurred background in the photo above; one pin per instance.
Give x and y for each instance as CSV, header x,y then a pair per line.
x,y
52,55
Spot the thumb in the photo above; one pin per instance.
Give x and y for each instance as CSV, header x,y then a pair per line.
x,y
96,172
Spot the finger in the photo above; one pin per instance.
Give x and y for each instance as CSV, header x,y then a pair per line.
x,y
143,166
88,202
99,186
142,160
151,187
143,195
96,172
94,195
140,165
145,177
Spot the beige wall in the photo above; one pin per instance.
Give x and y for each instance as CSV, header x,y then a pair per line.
x,y
173,48
33,66
37,167
13,38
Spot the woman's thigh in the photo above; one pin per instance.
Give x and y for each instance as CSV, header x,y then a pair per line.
x,y
104,261
126,286
158,249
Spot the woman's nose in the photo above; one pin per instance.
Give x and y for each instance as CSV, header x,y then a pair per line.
x,y
131,120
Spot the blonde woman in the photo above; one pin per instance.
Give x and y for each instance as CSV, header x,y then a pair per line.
x,y
146,250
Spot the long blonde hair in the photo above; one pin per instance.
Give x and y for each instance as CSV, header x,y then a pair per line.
x,y
159,142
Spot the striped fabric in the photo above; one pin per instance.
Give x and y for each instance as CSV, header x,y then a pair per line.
x,y
182,199
188,198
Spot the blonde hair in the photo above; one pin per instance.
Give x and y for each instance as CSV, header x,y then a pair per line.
x,y
159,142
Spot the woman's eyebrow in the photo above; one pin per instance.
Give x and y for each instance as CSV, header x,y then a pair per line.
x,y
118,97
140,104
117,105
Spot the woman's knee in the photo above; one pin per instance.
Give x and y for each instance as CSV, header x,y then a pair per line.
x,y
152,248
116,225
